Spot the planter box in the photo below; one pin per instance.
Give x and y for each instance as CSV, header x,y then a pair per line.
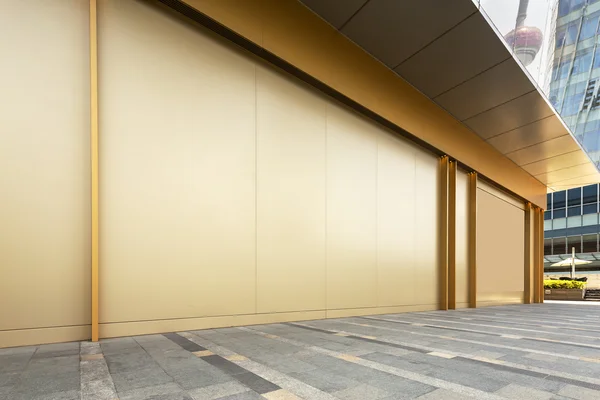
x,y
564,294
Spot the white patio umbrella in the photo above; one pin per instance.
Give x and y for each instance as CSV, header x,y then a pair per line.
x,y
572,261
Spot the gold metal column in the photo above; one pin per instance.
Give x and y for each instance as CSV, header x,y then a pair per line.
x,y
536,253
94,160
443,284
472,259
452,235
528,264
541,253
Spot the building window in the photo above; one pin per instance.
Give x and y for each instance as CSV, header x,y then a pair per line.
x,y
574,242
590,243
572,211
547,215
590,194
547,247
563,7
589,26
560,213
574,197
559,200
559,223
549,201
590,209
582,62
590,219
559,246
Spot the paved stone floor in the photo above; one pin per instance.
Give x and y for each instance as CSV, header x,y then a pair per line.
x,y
549,351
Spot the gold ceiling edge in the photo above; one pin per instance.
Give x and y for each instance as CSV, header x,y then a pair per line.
x,y
290,31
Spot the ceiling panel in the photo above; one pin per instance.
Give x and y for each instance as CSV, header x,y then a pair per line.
x,y
571,159
336,12
556,177
550,148
511,115
575,182
530,134
504,82
465,51
393,30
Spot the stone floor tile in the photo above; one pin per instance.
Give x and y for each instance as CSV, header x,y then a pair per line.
x,y
140,378
361,392
578,393
443,394
513,391
158,392
217,391
325,380
250,395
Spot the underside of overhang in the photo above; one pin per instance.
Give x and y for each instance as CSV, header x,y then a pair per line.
x,y
451,53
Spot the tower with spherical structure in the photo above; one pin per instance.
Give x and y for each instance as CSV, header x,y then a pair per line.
x,y
525,41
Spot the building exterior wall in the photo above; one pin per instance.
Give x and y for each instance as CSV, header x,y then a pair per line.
x,y
231,193
295,205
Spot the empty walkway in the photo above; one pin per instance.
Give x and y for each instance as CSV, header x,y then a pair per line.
x,y
544,351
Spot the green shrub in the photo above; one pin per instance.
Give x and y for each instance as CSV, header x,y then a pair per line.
x,y
555,284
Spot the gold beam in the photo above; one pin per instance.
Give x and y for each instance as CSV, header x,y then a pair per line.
x,y
472,260
452,235
94,160
443,285
527,272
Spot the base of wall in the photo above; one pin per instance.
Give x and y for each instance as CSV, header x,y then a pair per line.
x,y
26,337
176,325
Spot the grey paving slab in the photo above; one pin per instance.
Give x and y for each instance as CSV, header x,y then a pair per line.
x,y
166,391
243,396
139,378
385,357
325,380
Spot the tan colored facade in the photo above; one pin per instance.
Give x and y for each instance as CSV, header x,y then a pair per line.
x,y
230,192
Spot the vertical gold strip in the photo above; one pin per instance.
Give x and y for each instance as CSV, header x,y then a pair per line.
x,y
472,240
452,235
541,254
536,252
443,288
527,269
94,160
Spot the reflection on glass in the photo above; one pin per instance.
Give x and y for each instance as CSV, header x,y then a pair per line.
x,y
574,242
590,243
559,200
559,245
557,42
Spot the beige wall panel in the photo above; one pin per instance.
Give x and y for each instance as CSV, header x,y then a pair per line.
x,y
26,337
332,58
177,169
494,191
291,186
462,237
396,202
426,232
44,169
351,210
500,248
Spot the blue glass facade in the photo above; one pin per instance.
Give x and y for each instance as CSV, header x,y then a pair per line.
x,y
572,221
575,77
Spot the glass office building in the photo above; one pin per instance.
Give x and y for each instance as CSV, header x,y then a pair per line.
x,y
571,221
575,75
